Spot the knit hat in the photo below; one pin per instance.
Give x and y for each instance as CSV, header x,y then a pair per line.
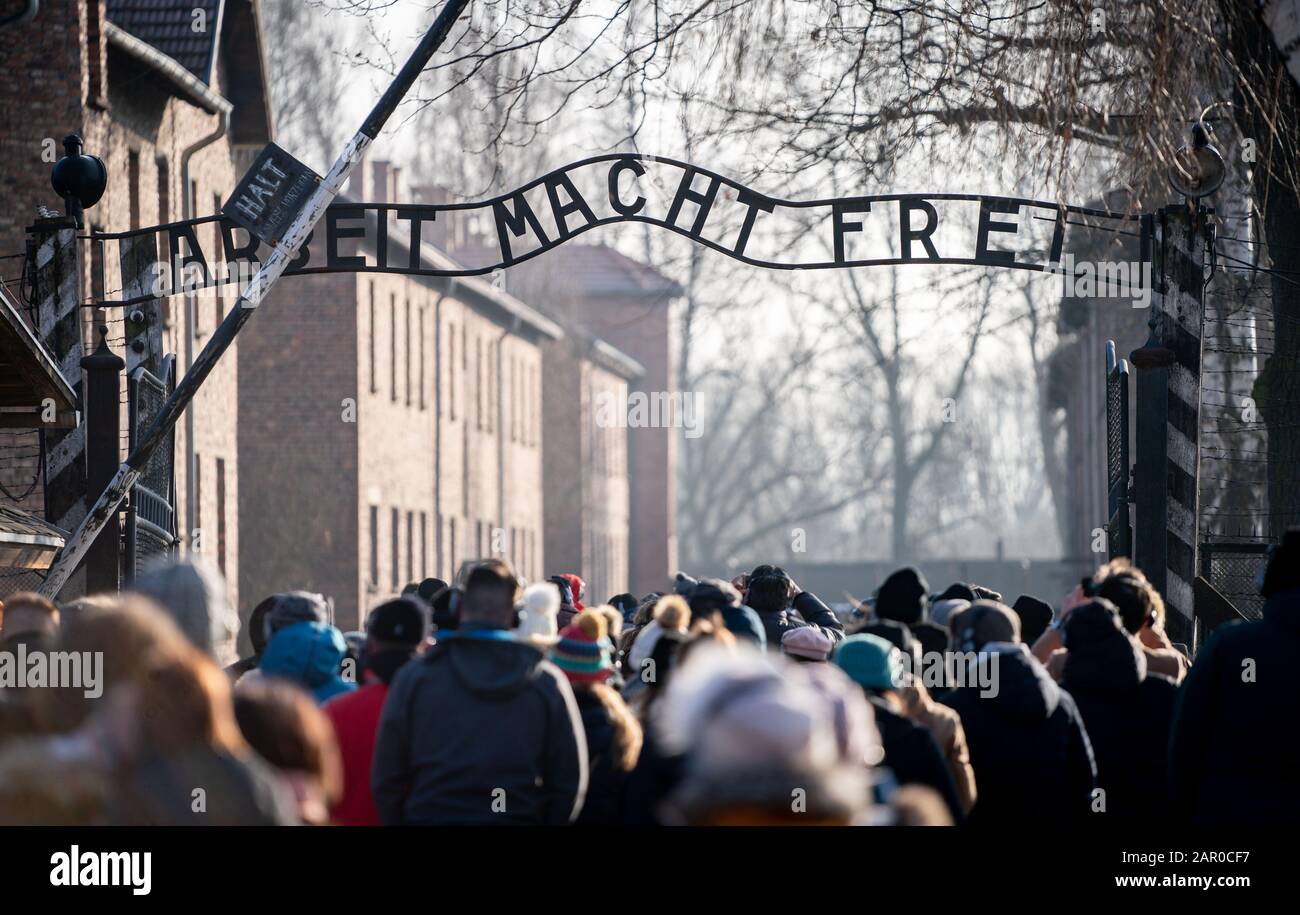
x,y
745,624
684,584
670,614
903,596
404,620
807,643
1035,616
537,616
577,588
296,607
870,661
193,594
986,621
943,610
583,649
957,591
625,604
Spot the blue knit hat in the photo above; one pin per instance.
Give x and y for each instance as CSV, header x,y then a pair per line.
x,y
870,661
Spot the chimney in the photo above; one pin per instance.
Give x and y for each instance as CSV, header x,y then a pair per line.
x,y
357,181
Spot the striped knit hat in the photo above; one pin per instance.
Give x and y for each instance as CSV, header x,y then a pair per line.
x,y
583,651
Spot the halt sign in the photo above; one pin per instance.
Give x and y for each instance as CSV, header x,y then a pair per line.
x,y
271,194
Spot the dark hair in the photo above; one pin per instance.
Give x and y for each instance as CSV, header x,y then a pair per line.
x,y
768,593
257,624
1129,591
289,731
491,590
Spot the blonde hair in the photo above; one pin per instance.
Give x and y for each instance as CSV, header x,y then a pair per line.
x,y
628,735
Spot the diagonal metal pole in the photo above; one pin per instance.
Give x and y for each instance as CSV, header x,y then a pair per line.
x,y
74,551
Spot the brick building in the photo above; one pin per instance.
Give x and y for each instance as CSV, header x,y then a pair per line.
x,y
172,96
606,295
390,428
588,491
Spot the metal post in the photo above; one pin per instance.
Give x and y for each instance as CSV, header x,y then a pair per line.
x,y
282,252
102,376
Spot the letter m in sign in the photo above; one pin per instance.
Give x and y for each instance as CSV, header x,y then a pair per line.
x,y
271,194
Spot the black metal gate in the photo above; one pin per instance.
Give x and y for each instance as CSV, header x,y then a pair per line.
x,y
1119,528
1232,569
151,513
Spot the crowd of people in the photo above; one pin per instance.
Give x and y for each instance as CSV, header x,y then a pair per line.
x,y
741,702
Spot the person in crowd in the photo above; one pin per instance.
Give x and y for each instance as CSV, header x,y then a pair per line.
x,y
956,591
765,743
1126,710
807,645
614,631
1028,744
626,605
943,610
1235,750
571,589
395,631
983,593
256,637
482,729
613,732
291,733
27,619
310,655
1035,616
943,723
29,624
910,749
539,614
446,609
297,607
712,595
193,592
125,634
671,615
1141,609
782,605
425,590
904,597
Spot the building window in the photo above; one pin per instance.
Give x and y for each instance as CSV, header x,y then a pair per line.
x,y
424,546
410,546
422,341
218,256
198,497
164,193
406,360
193,296
374,545
451,555
396,538
478,382
374,330
392,345
221,515
451,370
133,188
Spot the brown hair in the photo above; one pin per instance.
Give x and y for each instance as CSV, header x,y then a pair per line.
x,y
288,730
131,635
706,631
184,701
628,735
28,600
1124,585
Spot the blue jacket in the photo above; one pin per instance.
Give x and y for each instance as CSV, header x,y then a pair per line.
x,y
309,654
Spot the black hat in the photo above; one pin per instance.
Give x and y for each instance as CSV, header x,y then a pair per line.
x,y
446,608
1035,616
1283,570
712,594
426,590
957,591
684,584
904,597
402,620
296,607
625,604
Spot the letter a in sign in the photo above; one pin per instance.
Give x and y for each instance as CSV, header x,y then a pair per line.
x,y
270,194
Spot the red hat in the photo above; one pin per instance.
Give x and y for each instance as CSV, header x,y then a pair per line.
x,y
576,587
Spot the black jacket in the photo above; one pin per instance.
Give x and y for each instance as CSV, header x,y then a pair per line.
x,y
482,730
1028,746
607,782
807,610
913,756
1128,713
1235,751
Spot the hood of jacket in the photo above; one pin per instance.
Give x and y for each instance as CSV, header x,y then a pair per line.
x,y
1100,654
309,653
487,664
1025,690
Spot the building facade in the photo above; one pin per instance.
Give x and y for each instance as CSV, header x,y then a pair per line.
x,y
173,98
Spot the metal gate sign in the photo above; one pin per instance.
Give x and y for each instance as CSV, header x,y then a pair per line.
x,y
270,194
707,208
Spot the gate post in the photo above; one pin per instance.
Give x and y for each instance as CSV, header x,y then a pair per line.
x,y
103,386
1119,527
58,320
1167,468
